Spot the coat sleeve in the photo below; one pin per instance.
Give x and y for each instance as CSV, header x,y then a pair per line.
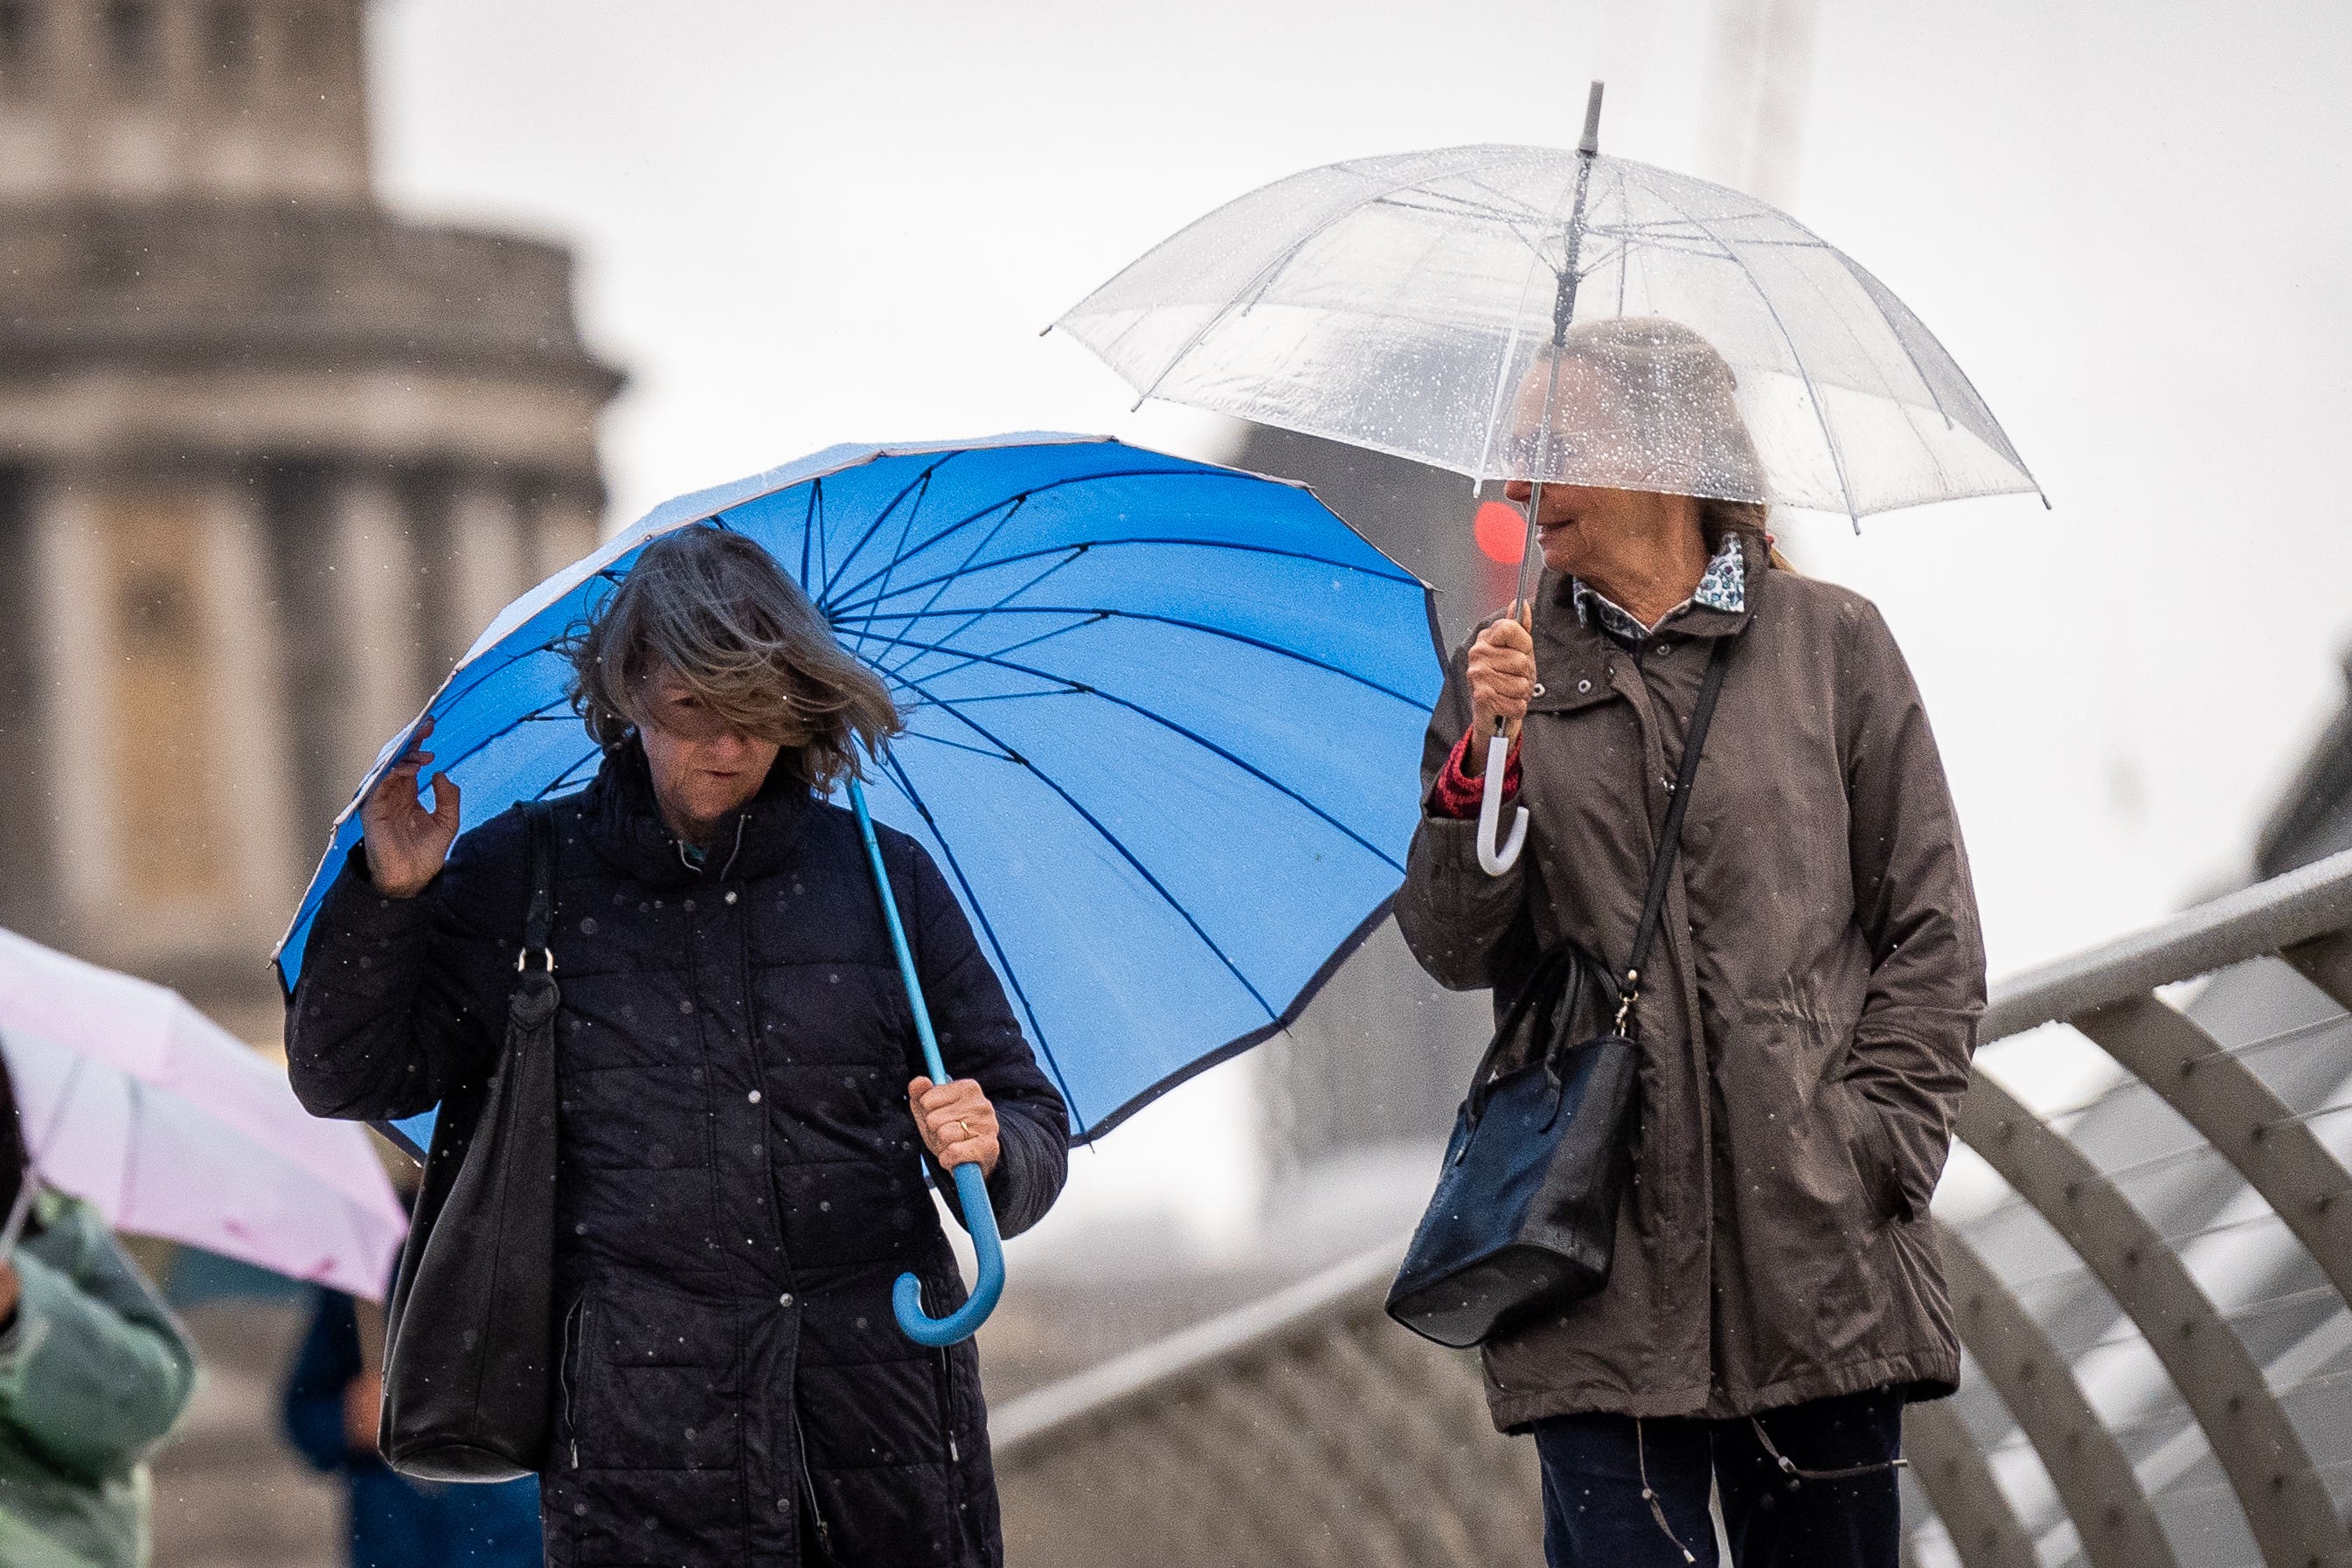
x,y
1915,906
980,1040
95,1369
1455,916
400,998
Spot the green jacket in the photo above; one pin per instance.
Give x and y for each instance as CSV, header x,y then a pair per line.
x,y
92,1375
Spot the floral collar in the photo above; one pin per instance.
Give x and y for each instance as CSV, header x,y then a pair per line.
x,y
1724,587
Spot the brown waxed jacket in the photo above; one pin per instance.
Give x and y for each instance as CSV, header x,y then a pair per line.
x,y
1807,1020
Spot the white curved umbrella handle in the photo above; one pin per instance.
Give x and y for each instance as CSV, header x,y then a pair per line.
x,y
1497,860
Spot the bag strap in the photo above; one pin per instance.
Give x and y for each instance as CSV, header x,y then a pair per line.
x,y
539,916
1661,869
1553,986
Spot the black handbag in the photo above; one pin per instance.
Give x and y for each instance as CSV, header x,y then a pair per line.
x,y
1525,1216
468,1337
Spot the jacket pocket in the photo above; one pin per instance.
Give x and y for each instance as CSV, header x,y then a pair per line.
x,y
653,1382
1873,1154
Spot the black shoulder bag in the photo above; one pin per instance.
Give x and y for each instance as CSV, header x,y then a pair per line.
x,y
1525,1216
467,1336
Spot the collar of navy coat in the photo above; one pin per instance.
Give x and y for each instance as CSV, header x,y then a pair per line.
x,y
756,841
1577,662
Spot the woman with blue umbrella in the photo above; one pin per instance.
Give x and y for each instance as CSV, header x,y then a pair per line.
x,y
740,1118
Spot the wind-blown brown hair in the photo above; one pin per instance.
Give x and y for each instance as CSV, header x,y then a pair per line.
x,y
713,606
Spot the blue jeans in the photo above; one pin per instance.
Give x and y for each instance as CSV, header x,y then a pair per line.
x,y
1595,1516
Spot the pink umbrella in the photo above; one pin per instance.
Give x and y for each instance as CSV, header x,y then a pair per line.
x,y
172,1127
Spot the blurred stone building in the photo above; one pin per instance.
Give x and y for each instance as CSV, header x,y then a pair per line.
x,y
269,456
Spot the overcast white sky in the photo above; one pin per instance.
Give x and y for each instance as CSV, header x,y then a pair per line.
x,y
799,224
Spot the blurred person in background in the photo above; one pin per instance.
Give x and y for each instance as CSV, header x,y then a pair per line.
x,y
332,1403
93,1372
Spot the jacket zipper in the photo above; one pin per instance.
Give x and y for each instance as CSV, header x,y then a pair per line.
x,y
571,1350
808,1487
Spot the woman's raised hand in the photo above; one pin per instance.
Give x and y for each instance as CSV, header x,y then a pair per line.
x,y
406,843
1502,669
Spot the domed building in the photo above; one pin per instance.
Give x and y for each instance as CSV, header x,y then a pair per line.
x,y
269,458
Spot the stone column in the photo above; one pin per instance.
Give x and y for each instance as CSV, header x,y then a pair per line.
x,y
170,795
564,527
376,592
490,558
71,594
253,784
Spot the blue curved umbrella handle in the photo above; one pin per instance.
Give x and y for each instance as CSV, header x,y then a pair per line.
x,y
972,1187
1496,859
907,1296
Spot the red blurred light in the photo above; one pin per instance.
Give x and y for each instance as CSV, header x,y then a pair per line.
x,y
1502,530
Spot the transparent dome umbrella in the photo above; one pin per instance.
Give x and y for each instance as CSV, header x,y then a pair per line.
x,y
1559,317
1156,715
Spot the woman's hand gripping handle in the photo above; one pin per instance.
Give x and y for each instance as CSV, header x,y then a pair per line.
x,y
1502,669
970,1179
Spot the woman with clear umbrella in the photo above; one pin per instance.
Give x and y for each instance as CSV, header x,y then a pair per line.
x,y
1651,361
1807,1012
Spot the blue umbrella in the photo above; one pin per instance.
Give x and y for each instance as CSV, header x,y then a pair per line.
x,y
1160,716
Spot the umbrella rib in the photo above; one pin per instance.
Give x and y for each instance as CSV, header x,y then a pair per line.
x,y
544,713
1102,614
966,659
987,539
1510,353
571,774
482,670
1187,733
971,518
1503,208
988,930
972,617
906,530
1511,221
1916,368
1885,388
1108,837
57,1111
1533,242
977,751
1084,545
1268,274
922,478
1866,279
1821,414
1006,697
136,1093
809,523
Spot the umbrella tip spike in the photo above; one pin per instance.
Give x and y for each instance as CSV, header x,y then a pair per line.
x,y
1591,143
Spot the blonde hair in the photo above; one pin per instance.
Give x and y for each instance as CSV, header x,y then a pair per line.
x,y
713,607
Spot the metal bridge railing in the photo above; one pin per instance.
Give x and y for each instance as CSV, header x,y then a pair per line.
x,y
2151,1288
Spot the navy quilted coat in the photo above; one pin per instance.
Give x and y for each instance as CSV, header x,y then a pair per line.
x,y
740,1181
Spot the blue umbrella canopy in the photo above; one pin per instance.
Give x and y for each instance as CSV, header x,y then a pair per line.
x,y
1162,721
